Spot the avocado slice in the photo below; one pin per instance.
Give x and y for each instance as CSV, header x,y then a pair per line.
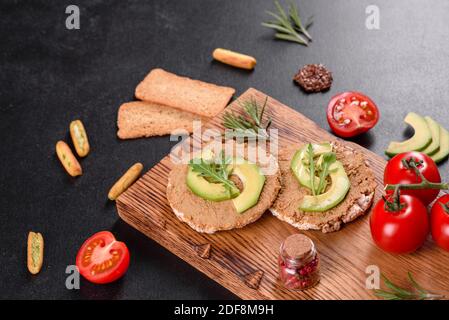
x,y
444,146
333,196
301,171
420,140
434,146
253,181
207,190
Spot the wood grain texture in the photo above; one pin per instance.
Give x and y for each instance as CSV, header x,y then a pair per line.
x,y
245,260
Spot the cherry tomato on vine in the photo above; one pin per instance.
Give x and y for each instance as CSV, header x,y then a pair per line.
x,y
102,259
398,171
399,230
439,222
351,113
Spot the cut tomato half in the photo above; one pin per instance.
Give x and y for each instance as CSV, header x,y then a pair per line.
x,y
102,259
351,113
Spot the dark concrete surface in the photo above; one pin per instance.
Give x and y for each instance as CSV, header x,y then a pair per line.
x,y
50,75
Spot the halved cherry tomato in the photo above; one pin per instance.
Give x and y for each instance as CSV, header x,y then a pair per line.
x,y
102,259
401,231
351,113
396,172
439,222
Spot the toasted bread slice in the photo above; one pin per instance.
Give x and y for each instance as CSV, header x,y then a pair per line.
x,y
357,201
195,96
144,119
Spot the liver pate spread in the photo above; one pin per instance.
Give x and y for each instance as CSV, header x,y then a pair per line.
x,y
356,203
209,216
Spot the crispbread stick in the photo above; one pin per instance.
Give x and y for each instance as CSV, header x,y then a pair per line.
x,y
125,181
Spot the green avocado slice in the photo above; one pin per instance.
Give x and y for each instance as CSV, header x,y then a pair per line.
x,y
250,175
205,189
301,171
420,140
434,146
444,146
333,196
253,181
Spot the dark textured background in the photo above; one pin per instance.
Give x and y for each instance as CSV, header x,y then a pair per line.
x,y
50,75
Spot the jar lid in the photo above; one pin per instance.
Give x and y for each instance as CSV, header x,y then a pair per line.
x,y
297,246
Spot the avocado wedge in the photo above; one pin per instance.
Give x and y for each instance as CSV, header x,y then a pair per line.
x,y
253,181
300,171
333,196
208,190
443,152
434,128
249,174
420,140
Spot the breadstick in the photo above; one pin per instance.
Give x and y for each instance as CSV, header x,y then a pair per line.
x,y
234,59
79,138
35,254
125,181
68,160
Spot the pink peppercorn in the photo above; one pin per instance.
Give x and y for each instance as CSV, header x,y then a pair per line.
x,y
298,263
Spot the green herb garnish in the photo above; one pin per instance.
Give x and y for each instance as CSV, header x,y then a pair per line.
x,y
397,293
289,26
311,168
327,159
215,171
251,126
318,169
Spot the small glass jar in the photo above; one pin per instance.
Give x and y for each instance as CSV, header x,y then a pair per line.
x,y
299,263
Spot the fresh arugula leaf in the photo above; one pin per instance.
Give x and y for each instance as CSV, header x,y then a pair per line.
x,y
311,168
215,171
327,159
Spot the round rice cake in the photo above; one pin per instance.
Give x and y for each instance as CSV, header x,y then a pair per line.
x,y
357,201
209,216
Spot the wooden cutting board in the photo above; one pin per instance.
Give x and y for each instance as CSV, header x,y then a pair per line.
x,y
245,260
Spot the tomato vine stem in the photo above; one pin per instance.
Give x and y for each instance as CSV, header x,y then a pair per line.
x,y
424,184
394,204
416,186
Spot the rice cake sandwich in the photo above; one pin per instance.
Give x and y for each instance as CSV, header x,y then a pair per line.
x,y
235,194
165,88
342,188
145,119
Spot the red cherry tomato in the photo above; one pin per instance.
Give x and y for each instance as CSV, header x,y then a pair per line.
x,y
396,172
351,113
401,231
439,222
102,259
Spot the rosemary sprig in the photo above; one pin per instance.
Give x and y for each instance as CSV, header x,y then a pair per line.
x,y
252,126
294,15
215,171
397,293
288,26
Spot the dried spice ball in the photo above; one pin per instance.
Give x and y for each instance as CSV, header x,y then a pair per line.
x,y
314,78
